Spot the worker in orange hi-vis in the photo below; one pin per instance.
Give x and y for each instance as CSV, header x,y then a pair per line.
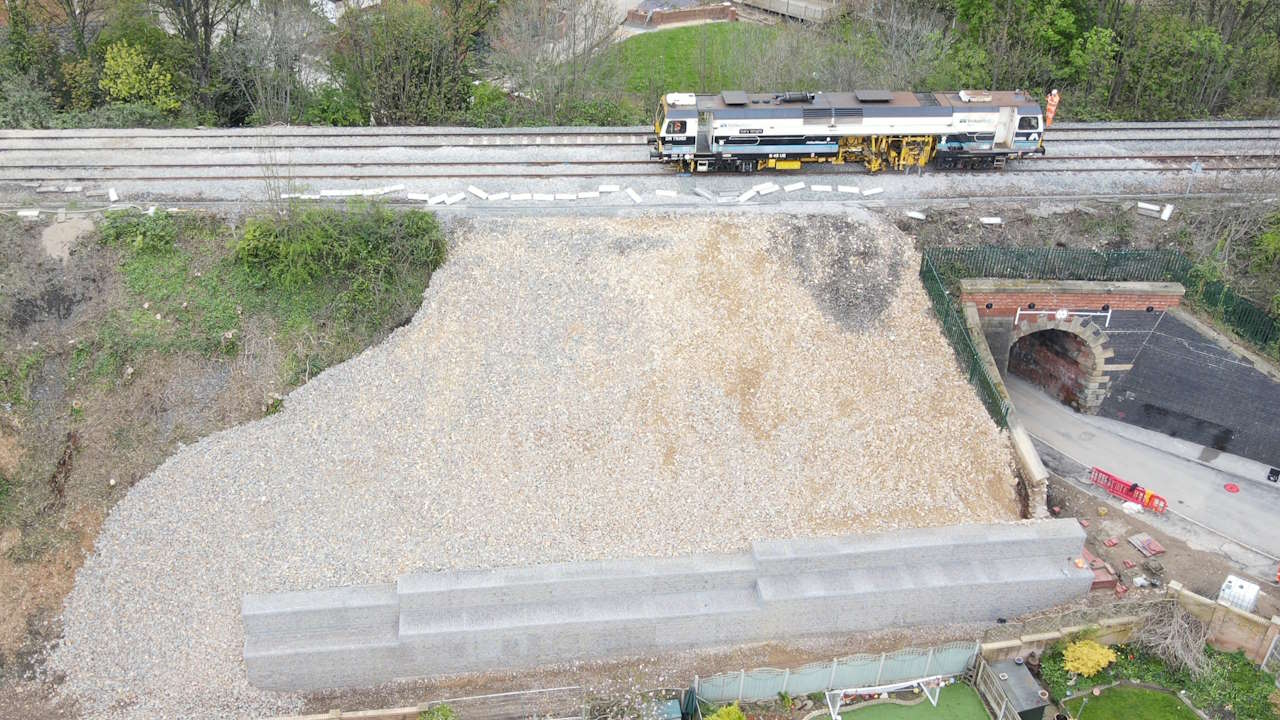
x,y
1051,107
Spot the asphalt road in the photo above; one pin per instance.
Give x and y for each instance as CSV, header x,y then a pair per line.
x,y
1192,489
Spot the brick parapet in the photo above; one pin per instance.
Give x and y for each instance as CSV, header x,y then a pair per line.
x,y
1006,297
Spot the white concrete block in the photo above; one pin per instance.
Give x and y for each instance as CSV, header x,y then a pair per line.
x,y
437,199
635,197
1166,213
872,191
748,195
703,193
1149,207
761,186
339,193
376,192
313,196
73,188
499,196
566,196
521,196
151,210
915,214
990,221
609,188
48,189
768,188
544,196
588,194
111,195
665,193
793,187
29,214
848,189
477,192
820,188
419,196
288,196
456,197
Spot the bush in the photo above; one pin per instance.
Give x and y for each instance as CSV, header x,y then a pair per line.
x,y
1087,657
24,103
359,255
128,76
333,105
728,712
400,59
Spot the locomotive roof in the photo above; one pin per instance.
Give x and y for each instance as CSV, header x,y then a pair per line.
x,y
732,104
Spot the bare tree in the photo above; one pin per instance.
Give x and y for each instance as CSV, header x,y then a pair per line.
x,y
199,22
274,42
78,13
546,49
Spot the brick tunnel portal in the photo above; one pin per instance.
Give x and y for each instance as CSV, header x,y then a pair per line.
x,y
1058,361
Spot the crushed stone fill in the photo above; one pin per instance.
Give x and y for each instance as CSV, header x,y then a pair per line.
x,y
570,389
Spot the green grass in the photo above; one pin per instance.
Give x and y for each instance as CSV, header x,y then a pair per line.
x,y
697,58
1127,703
330,281
956,702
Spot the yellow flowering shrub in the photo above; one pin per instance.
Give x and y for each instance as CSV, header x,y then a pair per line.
x,y
1087,657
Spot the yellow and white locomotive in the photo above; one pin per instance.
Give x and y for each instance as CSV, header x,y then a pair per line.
x,y
737,131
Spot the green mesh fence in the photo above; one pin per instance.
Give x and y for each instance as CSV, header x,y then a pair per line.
x,y
957,332
941,265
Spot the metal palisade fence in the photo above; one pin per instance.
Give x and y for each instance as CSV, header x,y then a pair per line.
x,y
942,265
842,673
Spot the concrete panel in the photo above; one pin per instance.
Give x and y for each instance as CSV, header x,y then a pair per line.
x,y
439,623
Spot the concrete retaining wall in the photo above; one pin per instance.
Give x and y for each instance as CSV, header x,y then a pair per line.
x,y
656,18
440,623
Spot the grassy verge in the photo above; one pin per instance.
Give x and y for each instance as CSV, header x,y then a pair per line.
x,y
1233,687
698,58
1124,703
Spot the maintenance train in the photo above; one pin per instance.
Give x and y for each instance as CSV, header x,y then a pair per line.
x,y
737,131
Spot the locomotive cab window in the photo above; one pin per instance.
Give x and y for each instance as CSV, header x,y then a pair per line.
x,y
1029,122
675,127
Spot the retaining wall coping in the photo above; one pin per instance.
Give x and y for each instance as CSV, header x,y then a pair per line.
x,y
1080,287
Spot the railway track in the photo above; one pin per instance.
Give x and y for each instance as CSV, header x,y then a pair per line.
x,y
627,167
179,166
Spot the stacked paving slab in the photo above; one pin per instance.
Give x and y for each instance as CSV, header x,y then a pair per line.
x,y
453,622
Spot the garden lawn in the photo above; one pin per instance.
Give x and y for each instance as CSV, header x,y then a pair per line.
x,y
1127,703
956,702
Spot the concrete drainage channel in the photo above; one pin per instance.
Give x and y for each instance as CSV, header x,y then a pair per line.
x,y
451,622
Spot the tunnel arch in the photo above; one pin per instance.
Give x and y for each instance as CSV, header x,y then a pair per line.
x,y
1066,356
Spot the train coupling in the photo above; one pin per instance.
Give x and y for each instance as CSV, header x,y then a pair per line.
x,y
655,153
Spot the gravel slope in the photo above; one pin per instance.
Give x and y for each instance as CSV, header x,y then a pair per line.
x,y
570,389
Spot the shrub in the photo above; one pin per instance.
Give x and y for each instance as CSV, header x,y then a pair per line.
x,y
127,76
1087,657
728,712
24,103
79,77
334,105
